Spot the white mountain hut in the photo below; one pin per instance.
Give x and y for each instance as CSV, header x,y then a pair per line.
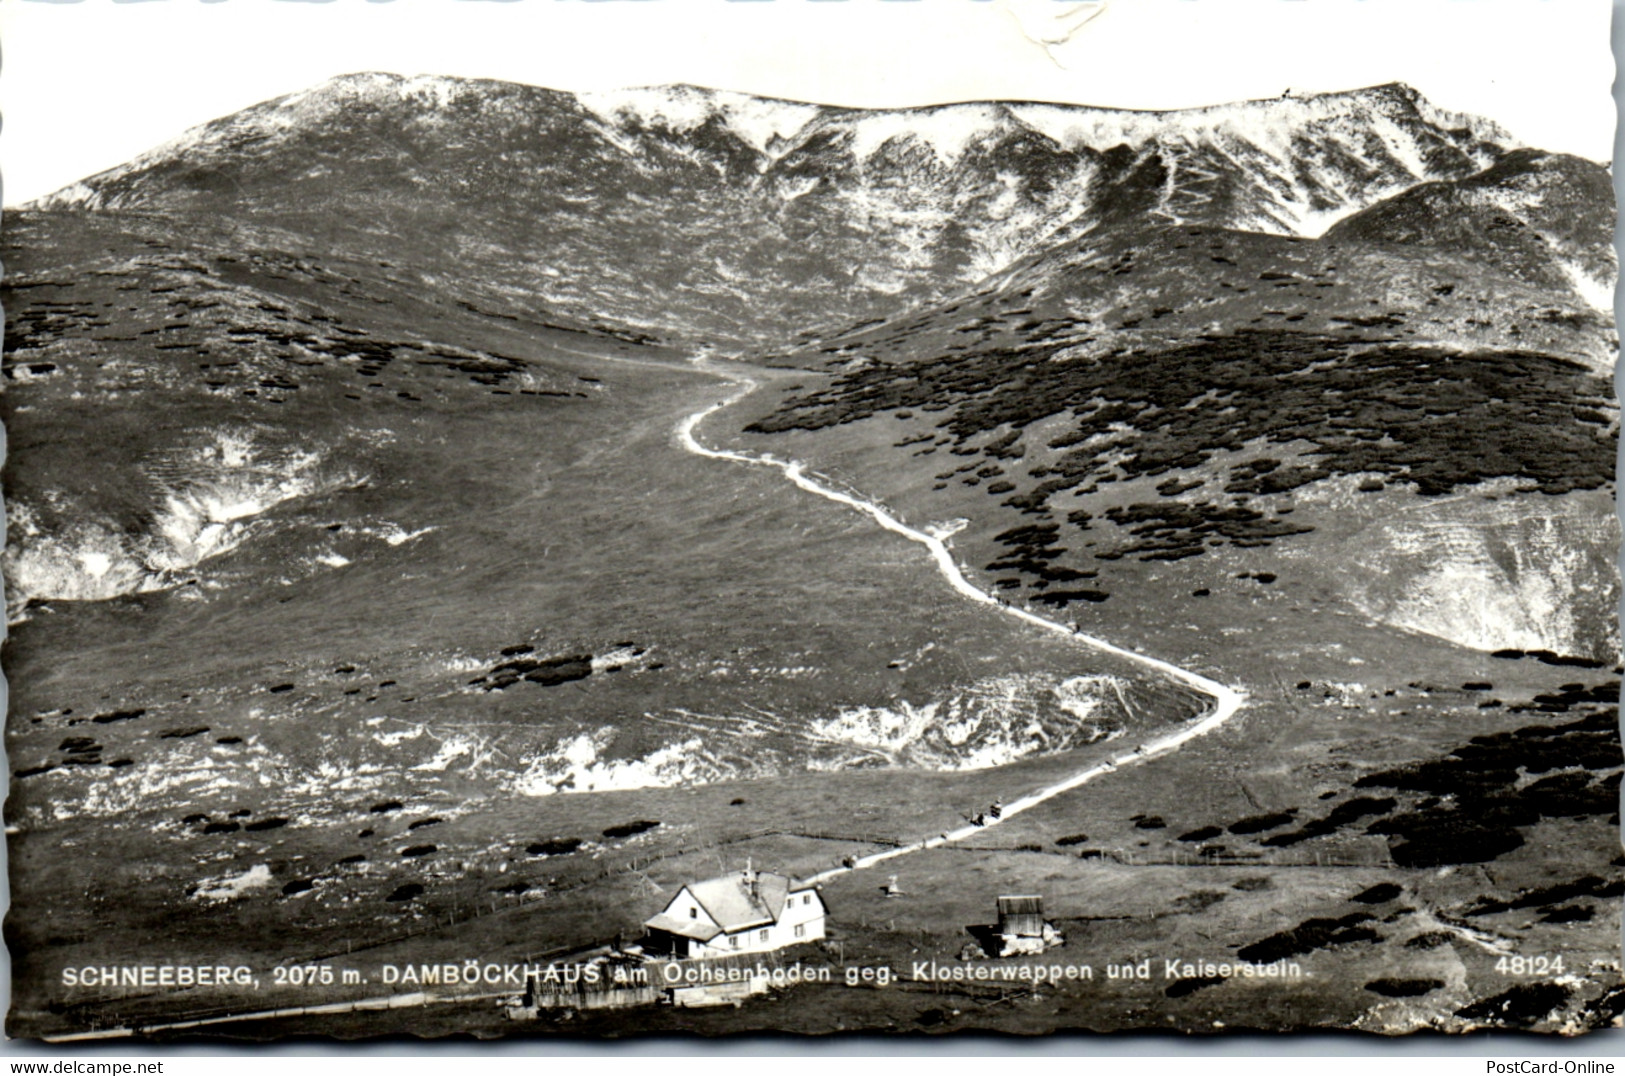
x,y
745,911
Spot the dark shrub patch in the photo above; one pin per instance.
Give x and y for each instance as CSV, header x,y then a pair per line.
x,y
1066,597
630,829
1199,901
117,715
1178,527
1548,658
409,891
1522,1006
1381,893
1260,823
1574,913
544,671
1348,811
1308,936
1286,387
1191,985
558,846
1434,840
1431,940
1588,886
1475,808
1404,988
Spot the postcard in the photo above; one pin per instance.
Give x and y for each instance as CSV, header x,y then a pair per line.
x,y
602,519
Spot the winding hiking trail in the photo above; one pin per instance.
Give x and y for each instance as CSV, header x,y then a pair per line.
x,y
1226,700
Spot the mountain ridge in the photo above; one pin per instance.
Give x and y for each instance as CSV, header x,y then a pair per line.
x,y
709,216
667,101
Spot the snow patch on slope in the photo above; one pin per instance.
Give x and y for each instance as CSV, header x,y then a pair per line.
x,y
997,720
232,886
1596,292
578,764
1492,581
209,501
948,132
764,124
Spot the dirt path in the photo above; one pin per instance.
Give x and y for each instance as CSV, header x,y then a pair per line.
x,y
1226,700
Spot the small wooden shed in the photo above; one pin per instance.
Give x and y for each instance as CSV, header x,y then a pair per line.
x,y
1021,916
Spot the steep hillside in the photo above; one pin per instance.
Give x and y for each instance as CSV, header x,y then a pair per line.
x,y
1545,219
1153,393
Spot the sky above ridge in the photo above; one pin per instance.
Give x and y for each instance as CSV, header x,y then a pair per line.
x,y
88,85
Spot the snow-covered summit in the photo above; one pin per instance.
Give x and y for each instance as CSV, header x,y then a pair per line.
x,y
718,198
762,123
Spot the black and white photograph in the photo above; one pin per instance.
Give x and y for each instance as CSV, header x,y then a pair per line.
x,y
541,520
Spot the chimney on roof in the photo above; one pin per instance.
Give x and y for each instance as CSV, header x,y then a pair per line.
x,y
751,885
